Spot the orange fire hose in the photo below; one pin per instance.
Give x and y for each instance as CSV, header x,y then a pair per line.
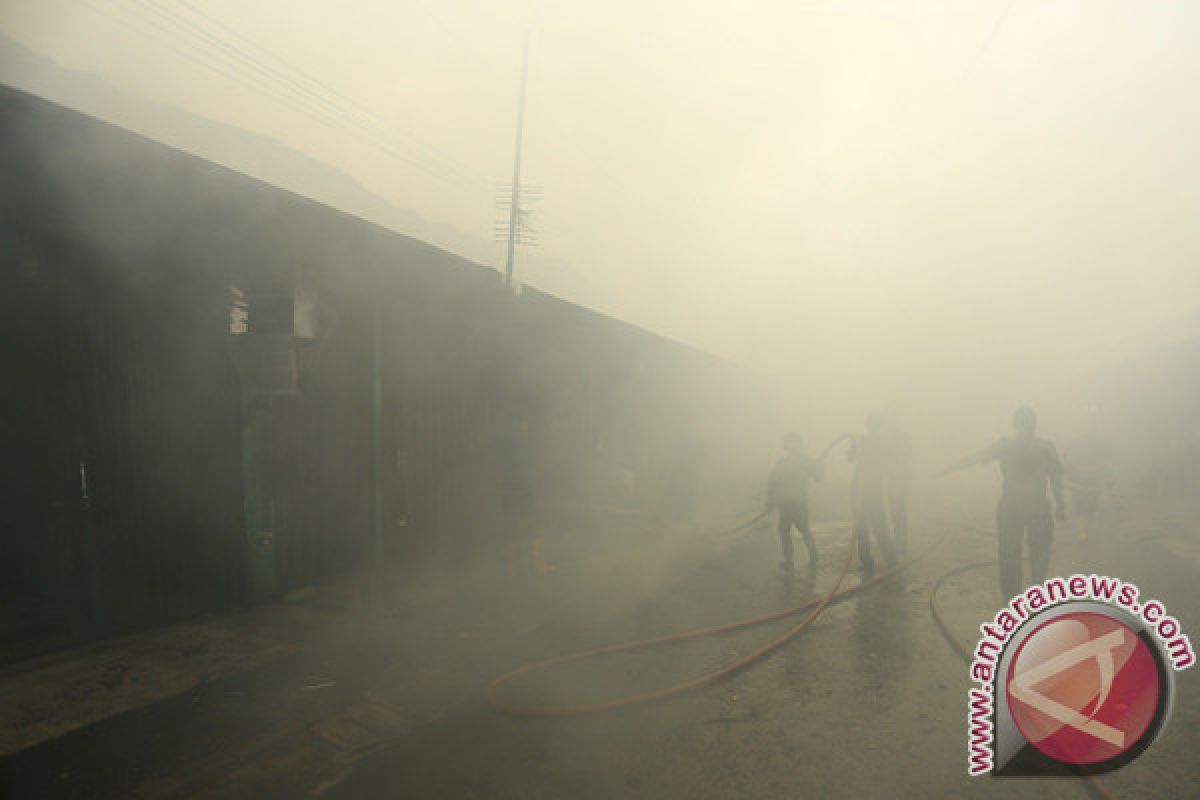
x,y
743,526
817,606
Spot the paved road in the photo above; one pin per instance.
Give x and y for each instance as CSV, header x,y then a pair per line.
x,y
870,703
867,703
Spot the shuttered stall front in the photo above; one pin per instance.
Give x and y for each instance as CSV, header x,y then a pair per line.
x,y
129,499
217,391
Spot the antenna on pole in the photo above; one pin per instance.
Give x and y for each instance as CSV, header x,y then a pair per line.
x,y
514,208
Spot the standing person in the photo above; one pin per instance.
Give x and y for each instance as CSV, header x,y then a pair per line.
x,y
787,491
1088,476
870,456
899,480
1027,464
519,500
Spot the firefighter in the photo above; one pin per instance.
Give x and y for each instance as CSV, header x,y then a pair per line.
x,y
787,492
870,455
1027,463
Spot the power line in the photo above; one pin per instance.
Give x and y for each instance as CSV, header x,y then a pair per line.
x,y
138,25
176,20
200,52
352,105
288,82
192,34
263,51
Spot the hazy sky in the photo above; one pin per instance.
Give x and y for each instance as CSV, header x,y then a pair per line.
x,y
901,197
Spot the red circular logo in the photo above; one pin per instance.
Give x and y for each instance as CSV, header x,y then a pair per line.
x,y
1083,688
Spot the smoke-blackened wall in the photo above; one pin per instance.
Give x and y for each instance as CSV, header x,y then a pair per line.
x,y
218,391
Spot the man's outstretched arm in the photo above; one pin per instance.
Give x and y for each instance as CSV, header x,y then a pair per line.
x,y
982,457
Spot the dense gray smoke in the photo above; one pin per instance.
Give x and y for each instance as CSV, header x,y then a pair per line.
x,y
271,408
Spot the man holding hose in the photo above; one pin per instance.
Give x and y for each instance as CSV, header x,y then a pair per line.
x,y
871,456
787,491
1027,463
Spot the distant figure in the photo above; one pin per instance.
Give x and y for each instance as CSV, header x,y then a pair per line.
x,y
898,473
870,455
519,500
1088,476
1027,464
787,491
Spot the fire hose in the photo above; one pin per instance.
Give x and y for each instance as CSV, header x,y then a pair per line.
x,y
814,607
817,606
750,523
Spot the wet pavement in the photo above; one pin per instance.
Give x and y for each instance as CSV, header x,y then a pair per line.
x,y
869,702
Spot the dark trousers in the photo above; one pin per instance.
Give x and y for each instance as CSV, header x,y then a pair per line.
x,y
1017,519
871,517
898,505
795,514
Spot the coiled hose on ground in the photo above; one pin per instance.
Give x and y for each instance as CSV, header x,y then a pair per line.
x,y
814,607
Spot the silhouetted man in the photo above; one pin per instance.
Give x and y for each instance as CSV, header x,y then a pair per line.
x,y
787,491
1027,464
870,455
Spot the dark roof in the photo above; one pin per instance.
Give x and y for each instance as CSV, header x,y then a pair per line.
x,y
143,202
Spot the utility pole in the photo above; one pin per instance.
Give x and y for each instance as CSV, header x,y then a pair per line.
x,y
514,209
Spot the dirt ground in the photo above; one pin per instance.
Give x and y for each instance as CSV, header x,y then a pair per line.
x,y
869,702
